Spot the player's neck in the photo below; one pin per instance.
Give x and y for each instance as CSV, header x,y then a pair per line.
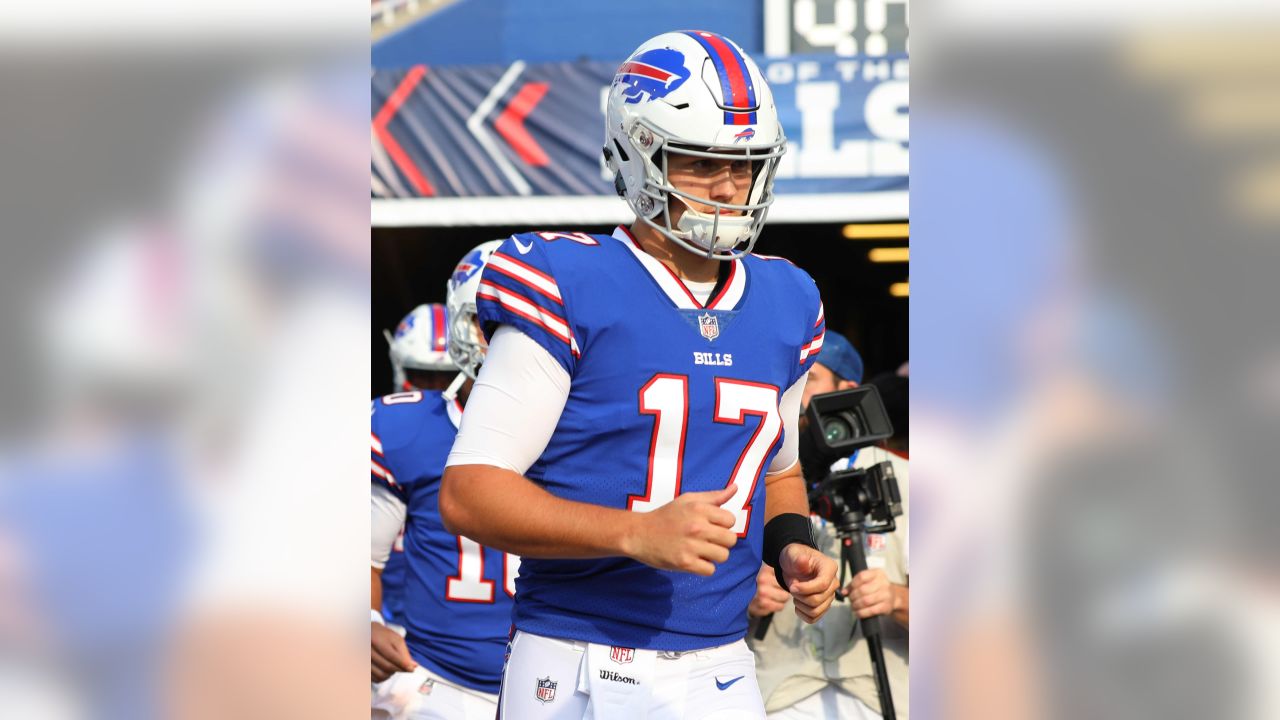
x,y
464,392
686,265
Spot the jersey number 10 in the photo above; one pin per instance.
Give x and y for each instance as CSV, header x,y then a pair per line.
x,y
470,585
666,397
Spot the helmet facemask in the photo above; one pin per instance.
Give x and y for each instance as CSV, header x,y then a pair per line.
x,y
466,343
467,346
709,233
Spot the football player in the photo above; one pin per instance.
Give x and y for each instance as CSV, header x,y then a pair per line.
x,y
419,361
632,434
456,606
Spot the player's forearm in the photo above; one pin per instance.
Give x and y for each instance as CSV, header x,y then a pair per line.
x,y
504,510
784,493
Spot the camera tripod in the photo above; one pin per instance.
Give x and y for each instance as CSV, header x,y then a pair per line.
x,y
854,558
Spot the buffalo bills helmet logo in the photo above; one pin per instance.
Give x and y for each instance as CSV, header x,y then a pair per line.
x,y
745,135
465,269
405,325
652,75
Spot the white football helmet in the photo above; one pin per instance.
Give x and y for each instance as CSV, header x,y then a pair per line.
x,y
466,342
693,93
420,342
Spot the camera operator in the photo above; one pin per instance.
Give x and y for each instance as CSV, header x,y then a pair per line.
x,y
824,670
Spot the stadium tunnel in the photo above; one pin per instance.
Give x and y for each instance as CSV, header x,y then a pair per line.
x,y
861,271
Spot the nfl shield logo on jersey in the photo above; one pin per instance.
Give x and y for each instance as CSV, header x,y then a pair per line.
x,y
709,326
546,690
622,655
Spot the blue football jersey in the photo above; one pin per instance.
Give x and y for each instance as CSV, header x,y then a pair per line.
x,y
456,597
667,396
393,583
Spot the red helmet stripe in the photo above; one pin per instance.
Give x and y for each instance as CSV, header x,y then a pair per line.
x,y
437,326
645,69
734,70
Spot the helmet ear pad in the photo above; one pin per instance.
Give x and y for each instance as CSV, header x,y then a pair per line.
x,y
619,183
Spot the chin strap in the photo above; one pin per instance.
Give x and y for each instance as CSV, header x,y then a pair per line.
x,y
451,392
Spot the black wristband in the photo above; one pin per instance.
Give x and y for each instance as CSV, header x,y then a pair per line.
x,y
780,532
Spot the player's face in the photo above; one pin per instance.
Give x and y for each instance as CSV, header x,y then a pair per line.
x,y
725,180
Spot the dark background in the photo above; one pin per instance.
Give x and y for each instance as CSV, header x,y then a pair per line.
x,y
411,266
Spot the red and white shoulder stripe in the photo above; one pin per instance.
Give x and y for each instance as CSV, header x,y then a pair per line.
x,y
813,347
527,275
522,306
819,333
772,257
378,469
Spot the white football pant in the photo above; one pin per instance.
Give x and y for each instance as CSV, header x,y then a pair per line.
x,y
550,679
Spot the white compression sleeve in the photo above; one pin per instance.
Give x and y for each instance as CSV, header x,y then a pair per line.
x,y
789,406
388,513
514,407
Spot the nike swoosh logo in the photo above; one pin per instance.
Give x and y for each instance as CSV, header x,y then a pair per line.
x,y
725,685
524,249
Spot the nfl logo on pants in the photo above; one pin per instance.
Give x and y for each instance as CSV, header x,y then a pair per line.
x,y
546,690
621,655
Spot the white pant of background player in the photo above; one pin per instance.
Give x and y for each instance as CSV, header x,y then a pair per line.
x,y
550,679
423,695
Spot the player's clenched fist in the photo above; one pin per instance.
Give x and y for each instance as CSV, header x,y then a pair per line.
x,y
810,578
388,654
691,533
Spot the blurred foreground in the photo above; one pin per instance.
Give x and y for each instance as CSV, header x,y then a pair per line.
x,y
1096,357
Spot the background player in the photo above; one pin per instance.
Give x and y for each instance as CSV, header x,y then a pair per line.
x,y
457,594
419,351
658,371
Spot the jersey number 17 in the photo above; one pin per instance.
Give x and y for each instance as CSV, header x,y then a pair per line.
x,y
666,397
